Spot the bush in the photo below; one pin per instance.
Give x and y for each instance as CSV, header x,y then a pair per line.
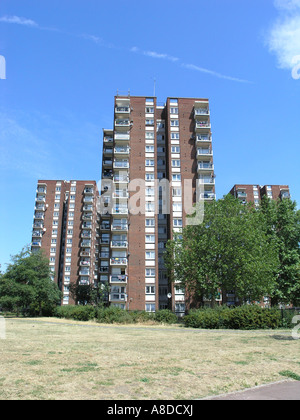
x,y
247,317
165,316
113,315
77,312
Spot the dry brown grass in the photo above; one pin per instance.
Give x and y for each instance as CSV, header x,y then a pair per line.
x,y
59,359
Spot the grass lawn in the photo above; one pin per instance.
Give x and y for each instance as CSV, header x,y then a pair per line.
x,y
59,359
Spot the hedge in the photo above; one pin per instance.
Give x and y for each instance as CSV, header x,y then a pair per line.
x,y
248,317
113,315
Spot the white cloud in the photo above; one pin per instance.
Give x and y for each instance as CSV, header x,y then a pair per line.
x,y
214,73
283,39
18,20
155,54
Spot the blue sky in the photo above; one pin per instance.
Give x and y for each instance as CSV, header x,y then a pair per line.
x,y
65,61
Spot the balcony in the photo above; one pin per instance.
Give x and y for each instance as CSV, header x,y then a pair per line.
x,y
204,152
36,244
104,255
200,125
41,207
39,216
122,110
201,111
88,199
86,235
122,137
118,297
121,150
37,225
118,179
85,254
37,234
88,190
86,225
85,263
103,269
284,194
241,194
206,180
203,138
84,272
40,199
119,210
119,244
208,195
118,261
86,244
107,162
108,151
87,208
118,278
105,226
121,227
121,164
120,194
41,190
205,166
122,122
108,140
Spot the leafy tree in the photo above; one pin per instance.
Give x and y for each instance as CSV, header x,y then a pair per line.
x,y
27,285
90,294
283,226
229,251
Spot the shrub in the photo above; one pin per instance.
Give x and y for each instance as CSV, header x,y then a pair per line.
x,y
165,316
77,312
114,315
245,317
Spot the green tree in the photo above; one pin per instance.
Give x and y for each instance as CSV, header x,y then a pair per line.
x,y
283,226
27,285
229,251
90,294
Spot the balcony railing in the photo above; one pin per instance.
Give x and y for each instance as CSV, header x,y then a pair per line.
x,y
117,297
120,194
37,234
205,166
89,190
202,124
121,150
105,226
122,109
121,164
118,278
86,244
201,152
206,180
122,123
201,111
122,137
120,179
36,243
84,272
86,234
119,244
119,210
241,194
85,263
39,216
203,139
208,196
121,227
118,261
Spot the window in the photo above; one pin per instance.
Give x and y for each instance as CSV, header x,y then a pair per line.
x,y
175,163
70,232
56,205
150,290
150,192
150,307
150,222
68,268
179,307
177,206
161,162
149,162
57,196
149,134
175,149
150,239
56,214
150,149
150,255
57,189
174,110
55,222
176,177
54,232
73,189
149,122
70,223
150,272
68,259
52,259
149,206
69,250
174,123
69,241
177,222
176,192
53,241
160,124
149,110
72,197
149,176
52,249
174,136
